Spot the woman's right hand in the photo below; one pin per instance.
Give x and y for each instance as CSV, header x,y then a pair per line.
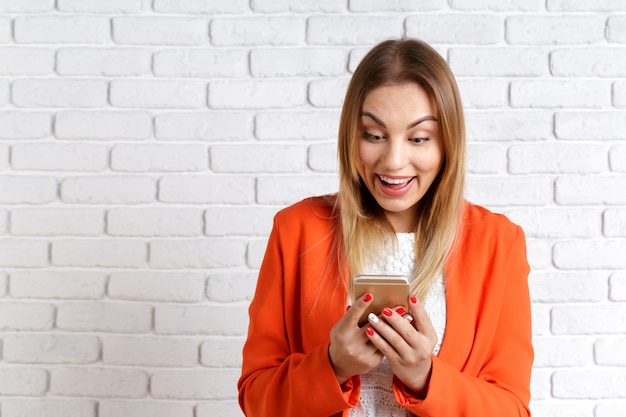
x,y
350,351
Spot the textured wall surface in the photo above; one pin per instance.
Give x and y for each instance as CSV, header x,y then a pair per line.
x,y
146,144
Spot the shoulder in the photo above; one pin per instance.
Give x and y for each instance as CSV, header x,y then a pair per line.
x,y
477,218
310,213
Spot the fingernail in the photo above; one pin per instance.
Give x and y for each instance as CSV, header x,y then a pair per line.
x,y
387,312
348,308
409,318
367,297
401,310
372,317
370,331
414,299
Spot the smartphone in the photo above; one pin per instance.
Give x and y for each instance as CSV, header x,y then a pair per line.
x,y
388,291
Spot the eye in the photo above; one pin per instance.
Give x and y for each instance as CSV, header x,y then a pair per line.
x,y
419,140
372,137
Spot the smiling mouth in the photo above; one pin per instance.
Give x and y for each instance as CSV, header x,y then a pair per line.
x,y
395,181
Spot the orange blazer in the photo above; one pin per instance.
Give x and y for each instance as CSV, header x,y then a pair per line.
x,y
485,361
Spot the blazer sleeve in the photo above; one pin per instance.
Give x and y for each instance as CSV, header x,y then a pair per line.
x,y
277,380
501,386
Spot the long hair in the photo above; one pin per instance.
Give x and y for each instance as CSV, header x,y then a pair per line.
x,y
361,221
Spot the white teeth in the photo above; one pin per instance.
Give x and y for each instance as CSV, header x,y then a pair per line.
x,y
395,181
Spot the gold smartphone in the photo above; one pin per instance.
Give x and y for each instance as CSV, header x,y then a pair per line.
x,y
388,291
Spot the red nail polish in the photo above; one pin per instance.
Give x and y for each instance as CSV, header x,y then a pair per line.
x,y
367,297
370,331
401,310
387,312
414,299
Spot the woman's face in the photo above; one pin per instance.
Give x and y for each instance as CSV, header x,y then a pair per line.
x,y
400,149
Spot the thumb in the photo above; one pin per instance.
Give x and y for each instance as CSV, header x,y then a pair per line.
x,y
355,312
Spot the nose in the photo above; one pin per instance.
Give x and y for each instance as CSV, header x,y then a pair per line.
x,y
395,155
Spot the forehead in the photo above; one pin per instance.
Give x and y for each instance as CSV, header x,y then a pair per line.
x,y
410,97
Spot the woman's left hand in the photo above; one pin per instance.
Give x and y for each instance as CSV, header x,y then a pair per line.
x,y
407,344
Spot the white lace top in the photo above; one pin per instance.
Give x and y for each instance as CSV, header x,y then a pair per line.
x,y
377,398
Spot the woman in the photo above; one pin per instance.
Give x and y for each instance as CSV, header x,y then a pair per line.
x,y
463,348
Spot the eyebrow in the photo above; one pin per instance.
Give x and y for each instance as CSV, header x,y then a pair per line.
x,y
411,125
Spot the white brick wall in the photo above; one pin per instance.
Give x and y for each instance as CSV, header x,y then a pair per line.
x,y
145,146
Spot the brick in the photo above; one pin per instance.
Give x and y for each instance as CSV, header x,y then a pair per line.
x,y
51,348
479,29
25,125
158,94
102,253
25,189
98,382
3,284
498,5
152,221
561,353
222,352
218,408
507,125
560,93
5,30
22,382
13,407
328,92
579,190
159,158
110,6
568,287
62,29
108,190
616,29
258,158
558,223
59,157
239,221
352,30
193,253
486,158
26,61
201,63
556,408
599,254
510,191
25,317
210,126
557,158
614,224
59,93
58,284
229,287
254,31
589,383
584,6
609,351
540,384
296,125
589,319
290,62
25,253
483,94
256,94
57,221
256,251
603,125
115,408
587,62
395,6
215,319
609,409
98,316
617,286
107,62
297,6
102,125
149,351
182,287
498,61
323,157
539,254
26,6
201,6
540,319
195,384
206,189
619,94
4,93
160,31
280,190
554,30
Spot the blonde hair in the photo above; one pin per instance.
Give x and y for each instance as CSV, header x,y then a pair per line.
x,y
361,221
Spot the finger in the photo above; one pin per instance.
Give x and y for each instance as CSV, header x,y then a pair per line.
x,y
393,330
357,309
421,320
